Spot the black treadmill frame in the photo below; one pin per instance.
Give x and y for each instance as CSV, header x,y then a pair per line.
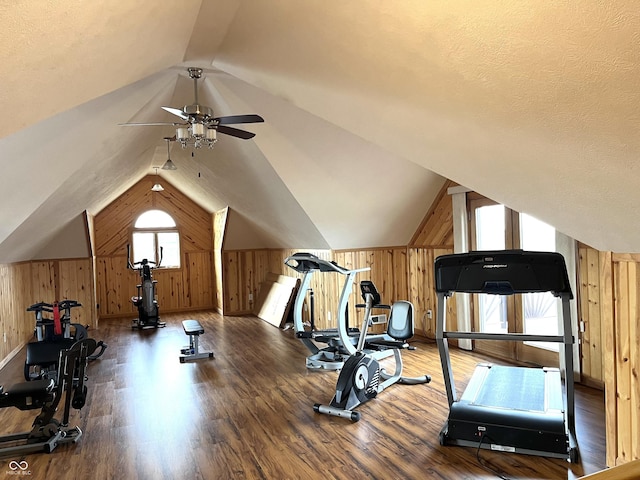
x,y
507,272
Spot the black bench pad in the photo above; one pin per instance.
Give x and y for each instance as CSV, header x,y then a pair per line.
x,y
192,327
28,395
31,388
46,353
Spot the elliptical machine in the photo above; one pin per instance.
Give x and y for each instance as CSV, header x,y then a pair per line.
x,y
145,300
362,377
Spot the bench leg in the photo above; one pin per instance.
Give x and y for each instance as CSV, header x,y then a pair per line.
x,y
192,352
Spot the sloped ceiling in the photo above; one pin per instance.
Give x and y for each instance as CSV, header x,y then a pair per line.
x,y
368,107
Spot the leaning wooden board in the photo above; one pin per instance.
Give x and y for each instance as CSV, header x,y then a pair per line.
x,y
275,298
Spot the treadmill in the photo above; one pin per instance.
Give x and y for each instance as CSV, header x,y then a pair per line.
x,y
527,410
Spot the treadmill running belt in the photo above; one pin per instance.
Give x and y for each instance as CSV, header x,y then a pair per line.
x,y
515,388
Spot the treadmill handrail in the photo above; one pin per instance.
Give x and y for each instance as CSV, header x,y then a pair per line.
x,y
518,337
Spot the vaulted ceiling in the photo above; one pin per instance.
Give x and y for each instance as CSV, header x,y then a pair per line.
x,y
368,107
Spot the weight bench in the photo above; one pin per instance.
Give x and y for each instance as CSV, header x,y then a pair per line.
x,y
192,352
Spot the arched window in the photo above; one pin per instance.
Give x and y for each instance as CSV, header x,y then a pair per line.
x,y
156,237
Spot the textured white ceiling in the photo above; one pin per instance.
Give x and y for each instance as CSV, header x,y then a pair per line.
x,y
367,107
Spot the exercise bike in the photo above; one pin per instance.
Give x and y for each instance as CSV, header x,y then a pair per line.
x,y
362,378
145,301
53,333
47,432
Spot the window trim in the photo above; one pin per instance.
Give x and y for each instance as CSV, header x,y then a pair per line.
x,y
155,231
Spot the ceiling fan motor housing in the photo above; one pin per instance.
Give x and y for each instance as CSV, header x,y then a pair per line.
x,y
198,111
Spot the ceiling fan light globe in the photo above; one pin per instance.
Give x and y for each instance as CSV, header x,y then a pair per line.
x,y
182,134
198,130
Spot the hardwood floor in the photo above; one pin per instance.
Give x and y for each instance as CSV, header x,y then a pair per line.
x,y
248,414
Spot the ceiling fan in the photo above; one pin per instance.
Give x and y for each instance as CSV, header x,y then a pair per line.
x,y
199,127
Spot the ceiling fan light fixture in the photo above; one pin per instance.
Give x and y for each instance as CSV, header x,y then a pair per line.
x,y
196,135
199,127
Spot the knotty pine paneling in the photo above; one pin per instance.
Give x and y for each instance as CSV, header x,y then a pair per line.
x,y
199,279
26,283
15,296
63,279
422,290
622,363
388,273
244,270
113,225
399,274
609,306
436,228
75,280
187,288
190,287
594,307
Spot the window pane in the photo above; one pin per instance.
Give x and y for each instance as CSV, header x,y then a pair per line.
x,y
536,235
155,219
170,244
540,309
144,246
490,223
490,235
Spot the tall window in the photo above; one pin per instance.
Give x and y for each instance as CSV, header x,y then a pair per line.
x,y
490,235
156,238
540,310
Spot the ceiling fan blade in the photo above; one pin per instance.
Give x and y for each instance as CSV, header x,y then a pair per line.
x,y
177,112
231,119
235,132
173,124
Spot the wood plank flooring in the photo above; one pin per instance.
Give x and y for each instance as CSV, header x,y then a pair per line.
x,y
247,414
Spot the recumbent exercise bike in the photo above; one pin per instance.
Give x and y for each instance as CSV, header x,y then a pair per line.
x,y
145,300
362,377
53,333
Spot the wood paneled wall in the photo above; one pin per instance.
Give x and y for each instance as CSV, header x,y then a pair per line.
x,y
400,273
422,290
190,287
436,229
15,296
595,311
388,272
26,283
244,270
622,362
609,295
